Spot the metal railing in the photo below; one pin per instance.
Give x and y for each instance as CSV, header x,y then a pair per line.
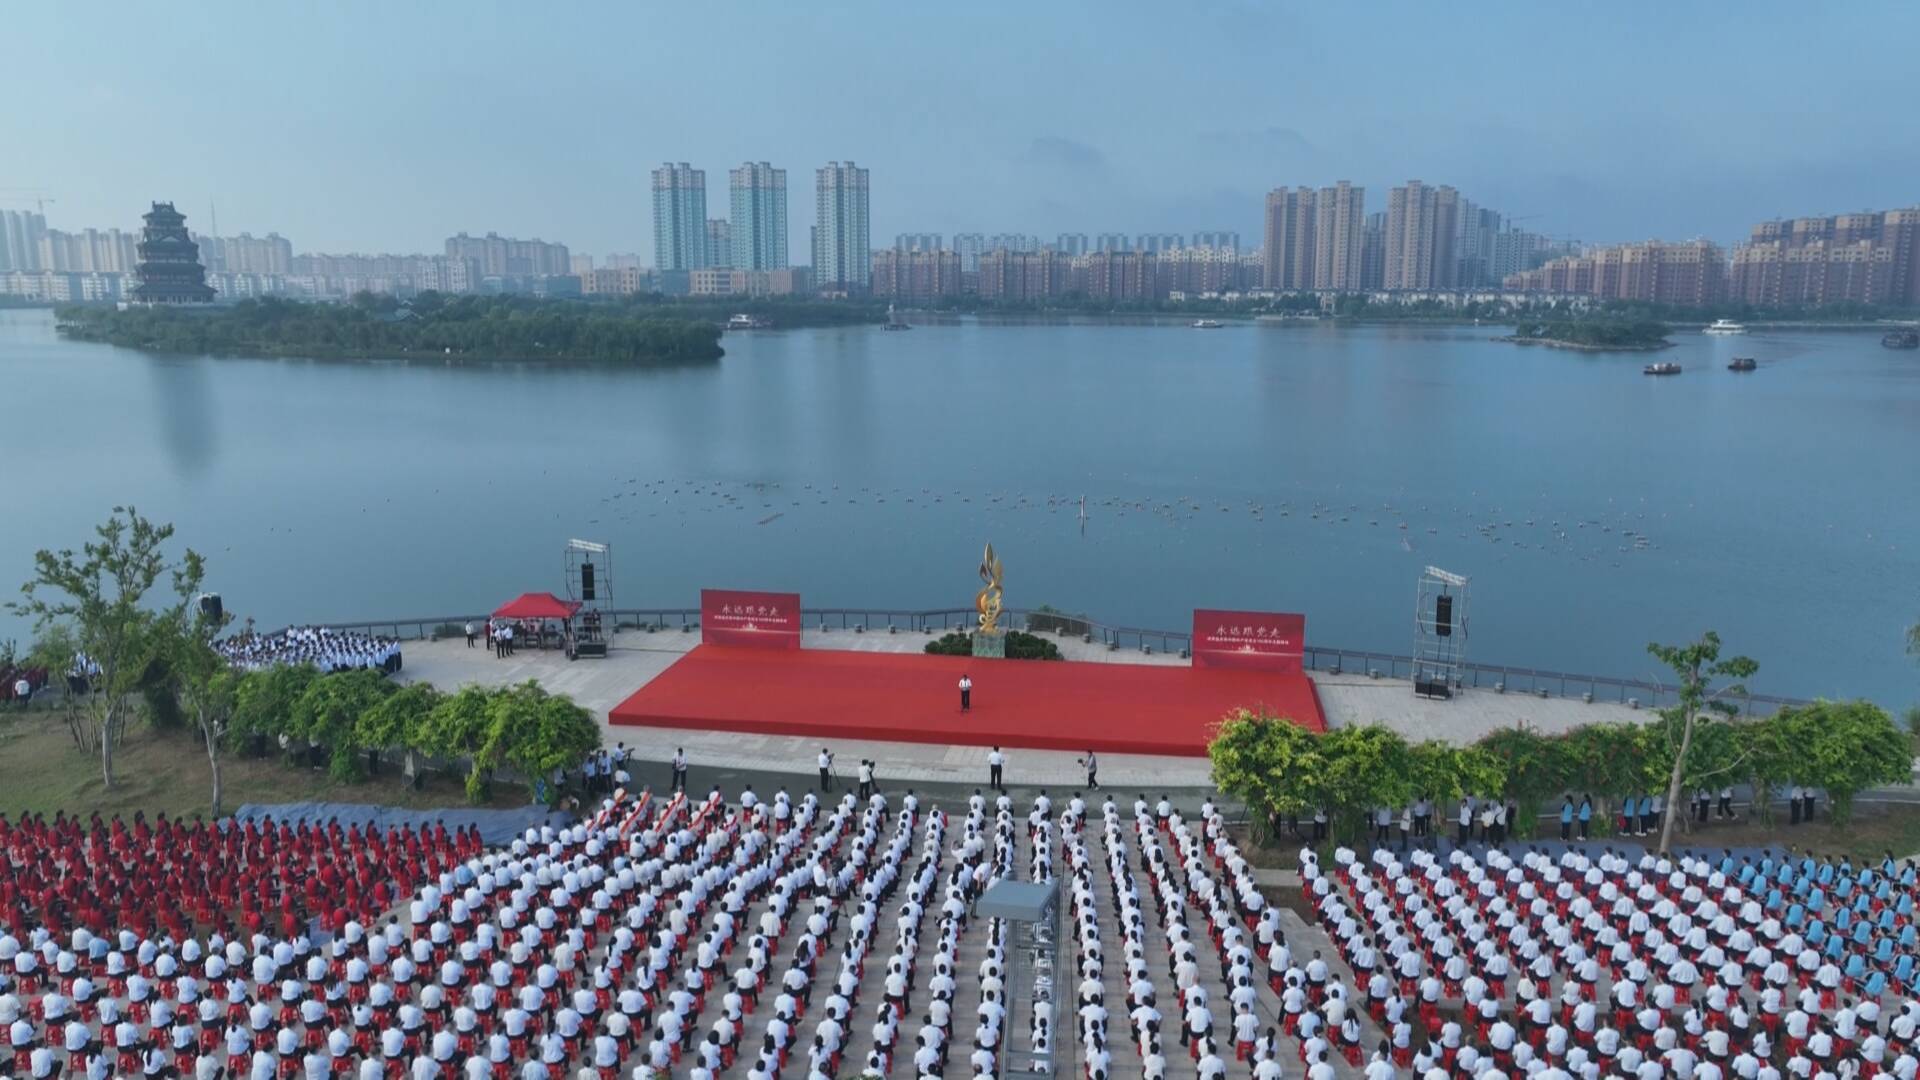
x,y
1639,693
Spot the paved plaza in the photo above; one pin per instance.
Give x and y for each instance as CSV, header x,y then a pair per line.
x,y
733,758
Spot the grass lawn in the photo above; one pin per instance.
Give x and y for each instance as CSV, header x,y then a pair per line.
x,y
41,770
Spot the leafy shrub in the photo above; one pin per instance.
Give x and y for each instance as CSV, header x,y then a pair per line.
x,y
1020,646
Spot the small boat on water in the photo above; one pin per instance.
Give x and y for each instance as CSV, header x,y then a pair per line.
x,y
1743,363
895,321
1207,324
1725,326
1664,367
1902,339
747,322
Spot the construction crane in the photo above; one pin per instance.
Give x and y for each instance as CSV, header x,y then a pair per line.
x,y
37,196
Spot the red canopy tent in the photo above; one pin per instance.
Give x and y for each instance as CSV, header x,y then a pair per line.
x,y
537,605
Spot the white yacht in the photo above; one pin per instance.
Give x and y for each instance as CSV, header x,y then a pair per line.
x,y
1725,326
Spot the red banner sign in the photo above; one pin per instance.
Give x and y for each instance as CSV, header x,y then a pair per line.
x,y
767,620
1266,640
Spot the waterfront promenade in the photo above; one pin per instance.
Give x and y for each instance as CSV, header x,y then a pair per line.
x,y
638,657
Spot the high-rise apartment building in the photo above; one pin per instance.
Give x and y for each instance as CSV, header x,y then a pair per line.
x,y
499,256
842,251
1196,270
1072,243
20,234
1121,276
758,216
1113,241
1020,242
1516,251
1422,227
98,251
1221,240
969,246
1288,239
1870,257
915,275
1688,274
719,243
1373,252
1023,276
1478,230
917,241
679,217
1159,242
247,253
1339,227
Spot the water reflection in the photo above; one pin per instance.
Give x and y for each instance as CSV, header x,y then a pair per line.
x,y
184,394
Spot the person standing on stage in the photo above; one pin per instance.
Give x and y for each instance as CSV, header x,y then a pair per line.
x,y
1093,771
996,764
826,769
966,692
679,770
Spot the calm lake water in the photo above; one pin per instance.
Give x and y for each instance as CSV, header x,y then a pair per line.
x,y
1262,467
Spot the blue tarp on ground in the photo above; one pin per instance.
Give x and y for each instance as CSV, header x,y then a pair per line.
x,y
497,827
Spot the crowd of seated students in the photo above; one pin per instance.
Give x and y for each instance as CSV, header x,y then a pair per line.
x,y
1589,963
663,937
177,878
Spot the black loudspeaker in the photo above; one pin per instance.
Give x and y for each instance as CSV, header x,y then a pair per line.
x,y
210,605
1443,616
586,581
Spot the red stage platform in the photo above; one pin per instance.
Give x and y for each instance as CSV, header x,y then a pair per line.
x,y
829,694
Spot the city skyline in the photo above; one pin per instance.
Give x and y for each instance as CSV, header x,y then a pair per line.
x,y
418,143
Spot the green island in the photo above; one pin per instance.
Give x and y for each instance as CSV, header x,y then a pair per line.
x,y
430,325
1593,335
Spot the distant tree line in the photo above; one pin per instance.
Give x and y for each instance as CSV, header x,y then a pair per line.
x,y
472,327
1599,332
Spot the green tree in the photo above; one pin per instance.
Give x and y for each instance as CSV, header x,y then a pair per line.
x,y
1444,773
400,721
98,594
202,678
1771,761
328,713
1535,767
1846,747
54,648
1697,665
1269,763
535,733
1364,767
1609,761
458,728
263,704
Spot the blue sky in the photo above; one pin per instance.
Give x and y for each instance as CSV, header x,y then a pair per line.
x,y
362,127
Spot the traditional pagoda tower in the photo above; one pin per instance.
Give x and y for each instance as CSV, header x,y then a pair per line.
x,y
169,268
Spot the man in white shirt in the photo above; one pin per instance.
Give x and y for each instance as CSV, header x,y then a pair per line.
x,y
826,770
996,763
966,692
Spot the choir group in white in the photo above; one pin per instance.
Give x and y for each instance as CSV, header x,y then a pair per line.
x,y
324,648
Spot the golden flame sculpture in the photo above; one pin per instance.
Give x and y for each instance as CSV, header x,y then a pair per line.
x,y
987,600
